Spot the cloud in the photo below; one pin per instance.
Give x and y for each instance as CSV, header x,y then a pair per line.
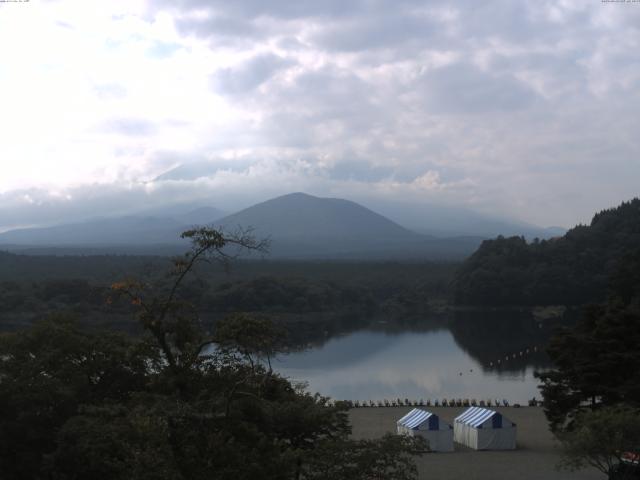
x,y
163,49
130,126
223,28
279,9
377,32
465,89
109,91
197,169
520,108
249,75
359,170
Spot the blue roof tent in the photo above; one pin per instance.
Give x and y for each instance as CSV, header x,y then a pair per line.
x,y
426,424
417,417
484,429
476,416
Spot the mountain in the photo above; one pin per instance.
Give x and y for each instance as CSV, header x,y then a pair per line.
x,y
302,225
451,221
130,230
159,227
573,269
429,219
200,216
298,215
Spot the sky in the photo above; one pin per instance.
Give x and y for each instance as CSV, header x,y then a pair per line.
x,y
525,109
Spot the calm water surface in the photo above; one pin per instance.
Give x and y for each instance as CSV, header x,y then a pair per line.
x,y
466,359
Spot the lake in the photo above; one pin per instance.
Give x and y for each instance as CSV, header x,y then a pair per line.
x,y
491,356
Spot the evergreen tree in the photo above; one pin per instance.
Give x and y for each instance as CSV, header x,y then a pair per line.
x,y
569,270
597,361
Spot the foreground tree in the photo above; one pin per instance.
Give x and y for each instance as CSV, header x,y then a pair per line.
x,y
601,438
597,361
178,402
592,397
47,373
389,457
597,364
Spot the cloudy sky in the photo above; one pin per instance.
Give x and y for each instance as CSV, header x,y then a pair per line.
x,y
527,109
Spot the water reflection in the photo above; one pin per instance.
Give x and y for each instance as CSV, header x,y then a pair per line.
x,y
457,359
505,342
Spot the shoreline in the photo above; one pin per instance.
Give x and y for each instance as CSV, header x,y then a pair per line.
x,y
535,457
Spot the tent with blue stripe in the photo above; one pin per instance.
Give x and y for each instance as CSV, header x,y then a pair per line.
x,y
428,425
484,429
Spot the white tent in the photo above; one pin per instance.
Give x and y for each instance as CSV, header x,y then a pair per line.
x,y
484,429
419,422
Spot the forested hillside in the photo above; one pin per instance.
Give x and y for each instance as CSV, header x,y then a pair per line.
x,y
571,270
311,297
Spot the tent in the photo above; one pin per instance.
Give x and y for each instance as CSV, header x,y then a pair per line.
x,y
484,429
419,422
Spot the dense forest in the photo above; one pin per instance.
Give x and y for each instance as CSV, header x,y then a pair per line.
x,y
569,270
592,393
313,299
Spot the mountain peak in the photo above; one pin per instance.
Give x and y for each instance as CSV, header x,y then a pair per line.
x,y
300,196
302,215
296,195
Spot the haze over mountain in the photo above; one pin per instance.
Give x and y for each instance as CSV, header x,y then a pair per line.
x,y
120,234
298,215
432,219
302,225
190,213
99,232
450,221
299,226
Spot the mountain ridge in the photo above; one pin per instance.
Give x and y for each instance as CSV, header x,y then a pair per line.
x,y
300,226
314,215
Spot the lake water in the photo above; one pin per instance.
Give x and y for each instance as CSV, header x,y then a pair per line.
x,y
483,358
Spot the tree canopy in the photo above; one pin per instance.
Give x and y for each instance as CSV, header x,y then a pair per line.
x,y
178,402
597,361
601,439
570,270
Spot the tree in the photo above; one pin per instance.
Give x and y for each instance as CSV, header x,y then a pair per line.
x,y
598,360
256,338
176,403
570,270
601,438
172,322
380,459
47,373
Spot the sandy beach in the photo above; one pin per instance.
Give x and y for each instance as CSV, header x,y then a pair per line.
x,y
535,458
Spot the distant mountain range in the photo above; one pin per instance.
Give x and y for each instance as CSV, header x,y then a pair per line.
x,y
118,234
299,226
451,221
98,232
